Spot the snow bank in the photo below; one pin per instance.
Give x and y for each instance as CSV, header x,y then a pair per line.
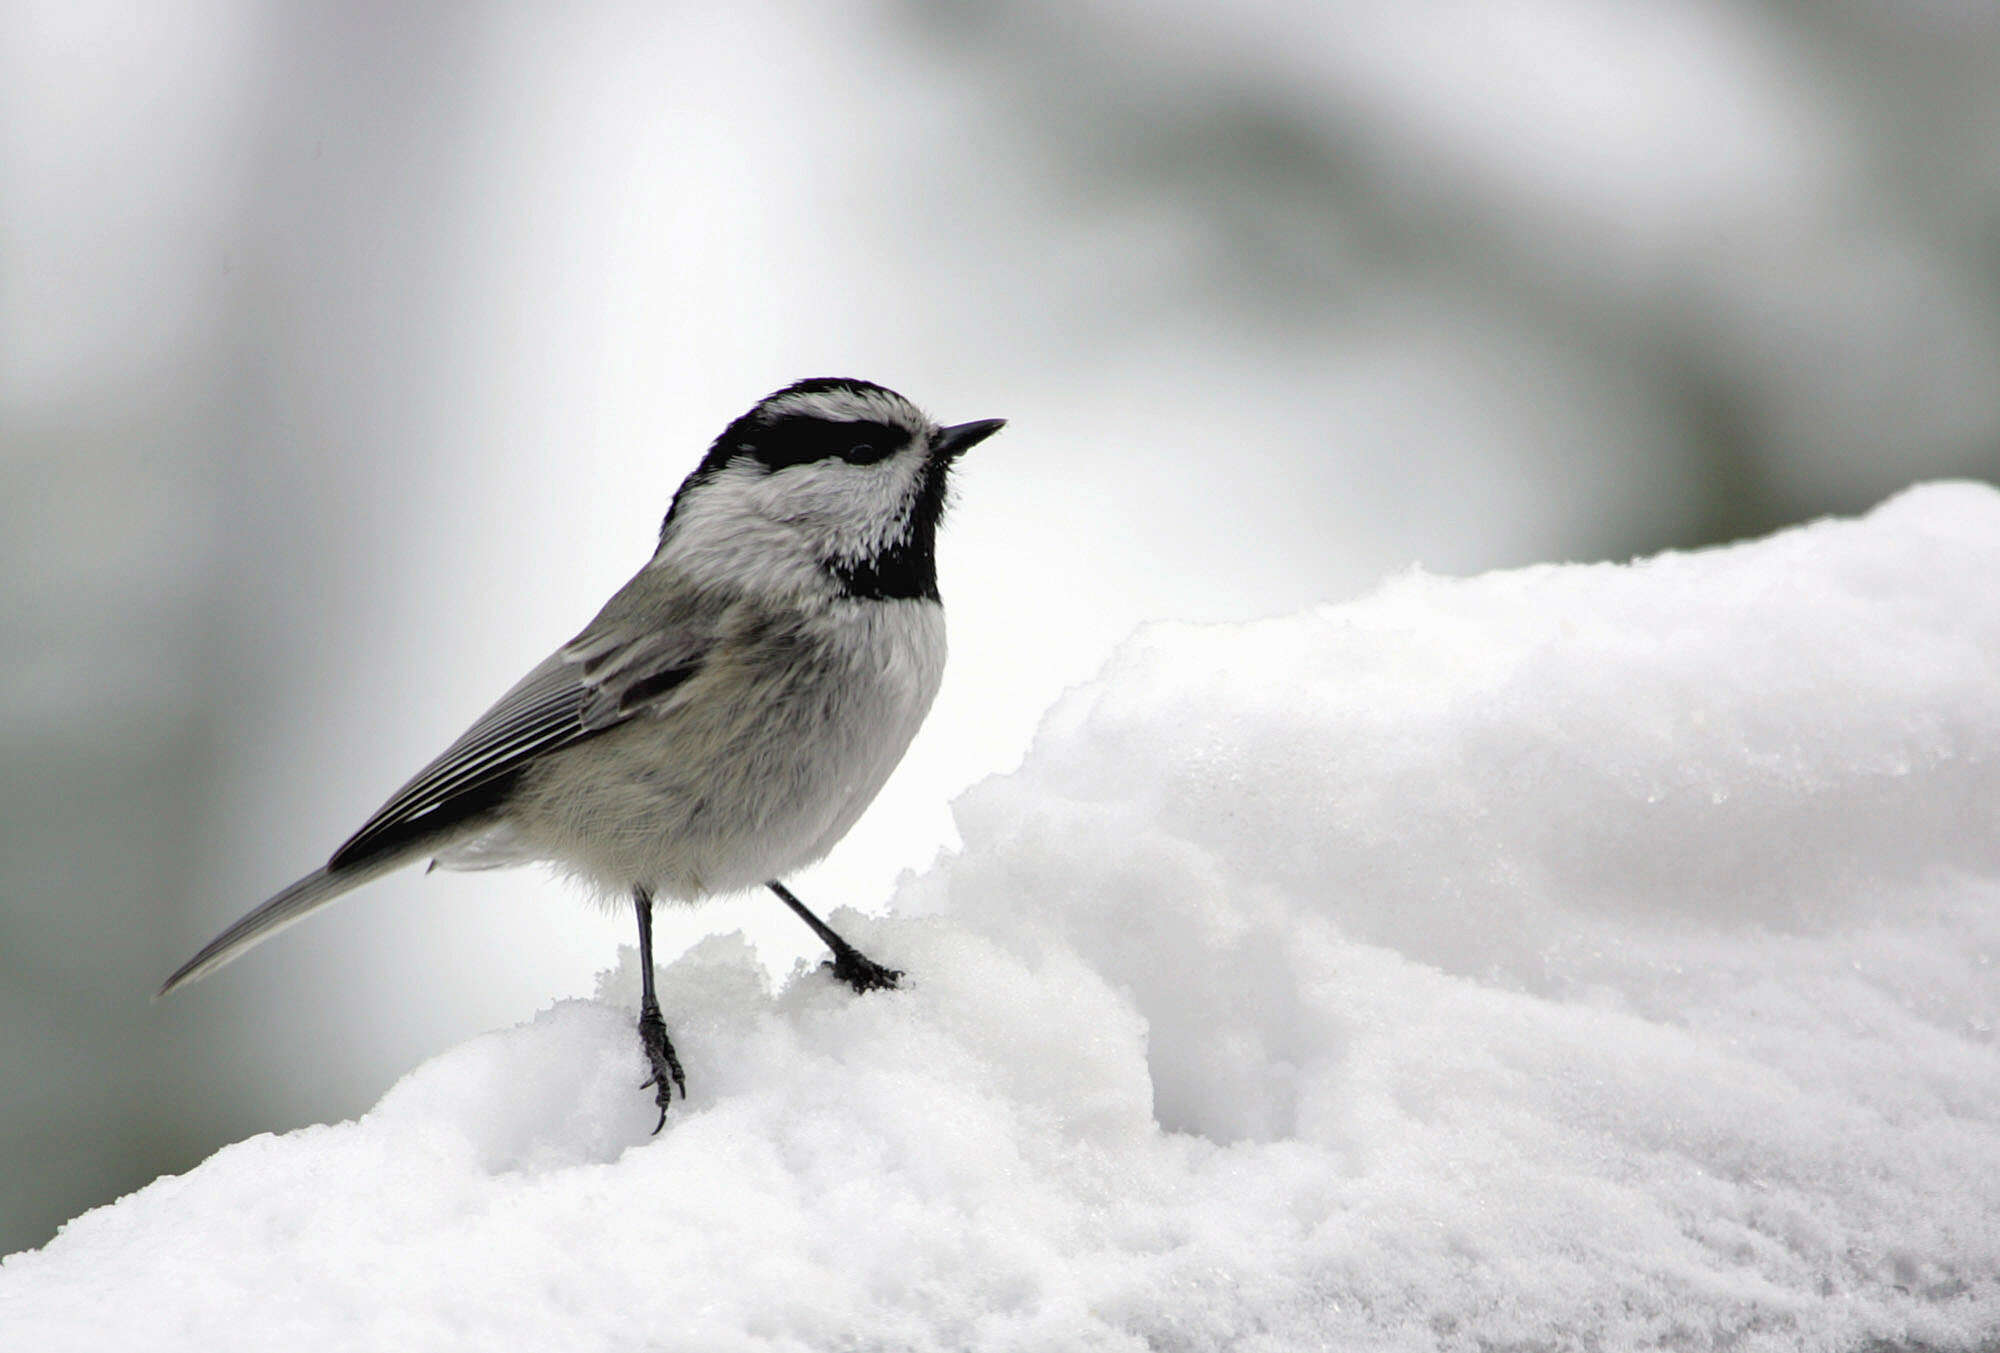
x,y
1575,957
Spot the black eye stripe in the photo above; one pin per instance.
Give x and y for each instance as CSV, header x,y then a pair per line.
x,y
801,439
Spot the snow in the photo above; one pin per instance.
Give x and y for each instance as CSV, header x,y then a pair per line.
x,y
1582,956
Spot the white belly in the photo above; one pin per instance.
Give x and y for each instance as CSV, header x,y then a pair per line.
x,y
761,764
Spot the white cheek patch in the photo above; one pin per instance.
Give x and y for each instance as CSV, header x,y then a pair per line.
x,y
762,527
853,512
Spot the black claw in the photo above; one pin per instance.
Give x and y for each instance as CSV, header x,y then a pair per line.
x,y
849,964
862,973
666,1067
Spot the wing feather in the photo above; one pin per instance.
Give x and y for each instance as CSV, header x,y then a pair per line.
x,y
611,672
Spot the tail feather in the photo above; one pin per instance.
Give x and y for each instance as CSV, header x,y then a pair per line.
x,y
289,907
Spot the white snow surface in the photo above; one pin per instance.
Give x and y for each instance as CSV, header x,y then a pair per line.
x,y
1587,957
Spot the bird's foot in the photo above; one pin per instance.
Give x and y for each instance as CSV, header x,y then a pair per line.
x,y
666,1077
861,972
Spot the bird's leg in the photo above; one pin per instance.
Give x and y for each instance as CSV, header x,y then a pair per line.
x,y
850,965
652,1029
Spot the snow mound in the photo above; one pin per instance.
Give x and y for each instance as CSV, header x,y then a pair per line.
x,y
1578,957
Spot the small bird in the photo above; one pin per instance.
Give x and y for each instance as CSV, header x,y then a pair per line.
x,y
728,714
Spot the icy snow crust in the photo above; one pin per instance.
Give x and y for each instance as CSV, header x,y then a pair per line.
x,y
1580,957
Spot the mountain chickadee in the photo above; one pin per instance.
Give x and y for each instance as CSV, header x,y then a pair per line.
x,y
728,714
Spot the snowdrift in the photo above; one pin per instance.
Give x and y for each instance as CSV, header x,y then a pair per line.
x,y
1577,957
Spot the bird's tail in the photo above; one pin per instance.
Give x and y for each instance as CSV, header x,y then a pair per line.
x,y
294,904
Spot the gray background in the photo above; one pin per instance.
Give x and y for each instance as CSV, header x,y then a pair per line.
x,y
349,353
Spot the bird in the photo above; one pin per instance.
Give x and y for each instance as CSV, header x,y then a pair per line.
x,y
731,711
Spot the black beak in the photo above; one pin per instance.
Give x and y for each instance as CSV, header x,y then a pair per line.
x,y
957,440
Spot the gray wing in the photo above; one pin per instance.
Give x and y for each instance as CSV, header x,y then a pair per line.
x,y
624,662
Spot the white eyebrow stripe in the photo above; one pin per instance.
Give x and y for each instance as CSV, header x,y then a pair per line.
x,y
851,406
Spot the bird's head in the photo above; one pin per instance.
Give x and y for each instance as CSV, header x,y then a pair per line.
x,y
834,479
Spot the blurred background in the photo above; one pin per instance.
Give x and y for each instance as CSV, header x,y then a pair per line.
x,y
349,353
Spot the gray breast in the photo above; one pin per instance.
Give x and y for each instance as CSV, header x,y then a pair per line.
x,y
763,761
